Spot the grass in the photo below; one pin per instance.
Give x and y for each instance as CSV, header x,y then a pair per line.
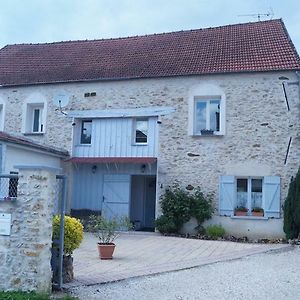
x,y
30,296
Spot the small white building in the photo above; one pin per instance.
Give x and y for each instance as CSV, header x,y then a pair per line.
x,y
16,151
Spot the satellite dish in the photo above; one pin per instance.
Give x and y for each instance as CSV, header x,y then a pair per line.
x,y
61,100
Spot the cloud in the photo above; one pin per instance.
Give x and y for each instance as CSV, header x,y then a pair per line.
x,y
56,20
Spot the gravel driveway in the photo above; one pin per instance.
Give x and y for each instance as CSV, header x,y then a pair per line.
x,y
272,275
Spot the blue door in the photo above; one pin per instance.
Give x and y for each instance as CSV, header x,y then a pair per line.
x,y
116,196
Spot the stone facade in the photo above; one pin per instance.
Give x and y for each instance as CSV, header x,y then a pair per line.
x,y
25,254
258,124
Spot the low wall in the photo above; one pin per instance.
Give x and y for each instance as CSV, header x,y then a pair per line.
x,y
241,227
25,254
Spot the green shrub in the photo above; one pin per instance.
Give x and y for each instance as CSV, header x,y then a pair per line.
x,y
165,225
178,206
215,231
291,209
73,233
30,296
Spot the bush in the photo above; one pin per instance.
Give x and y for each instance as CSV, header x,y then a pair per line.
x,y
73,233
215,231
178,206
291,209
165,225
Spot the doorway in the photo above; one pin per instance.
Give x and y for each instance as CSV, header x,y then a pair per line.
x,y
142,205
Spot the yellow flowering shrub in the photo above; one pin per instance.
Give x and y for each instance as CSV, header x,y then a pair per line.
x,y
73,233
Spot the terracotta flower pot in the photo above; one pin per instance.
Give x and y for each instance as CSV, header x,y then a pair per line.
x,y
240,213
257,214
106,250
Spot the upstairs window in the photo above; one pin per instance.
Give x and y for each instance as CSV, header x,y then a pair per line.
x,y
141,131
35,118
207,116
86,132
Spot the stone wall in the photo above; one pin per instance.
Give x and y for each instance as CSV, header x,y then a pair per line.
x,y
258,124
25,254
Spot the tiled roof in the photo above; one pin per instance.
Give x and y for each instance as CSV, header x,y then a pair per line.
x,y
249,47
28,143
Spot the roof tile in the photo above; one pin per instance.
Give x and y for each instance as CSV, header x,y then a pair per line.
x,y
250,47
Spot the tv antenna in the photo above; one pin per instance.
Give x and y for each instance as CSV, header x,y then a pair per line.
x,y
270,14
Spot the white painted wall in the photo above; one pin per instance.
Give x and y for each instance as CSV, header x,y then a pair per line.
x,y
241,227
14,155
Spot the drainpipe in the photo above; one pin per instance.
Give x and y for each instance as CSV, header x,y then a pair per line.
x,y
298,75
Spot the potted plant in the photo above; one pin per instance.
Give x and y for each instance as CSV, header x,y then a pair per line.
x,y
206,132
240,211
106,231
257,212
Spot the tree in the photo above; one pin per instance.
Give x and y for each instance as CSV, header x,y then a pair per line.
x,y
291,225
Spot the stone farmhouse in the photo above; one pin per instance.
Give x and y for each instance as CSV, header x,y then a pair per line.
x,y
216,108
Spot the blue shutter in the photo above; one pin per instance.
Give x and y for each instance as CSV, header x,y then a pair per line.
x,y
1,158
227,195
271,193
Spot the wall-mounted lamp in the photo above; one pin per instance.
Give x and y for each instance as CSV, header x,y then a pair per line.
x,y
94,169
143,168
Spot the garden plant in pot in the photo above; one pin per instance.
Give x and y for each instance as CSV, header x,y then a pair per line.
x,y
72,239
258,212
240,211
106,231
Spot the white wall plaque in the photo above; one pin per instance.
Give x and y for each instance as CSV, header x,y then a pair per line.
x,y
5,222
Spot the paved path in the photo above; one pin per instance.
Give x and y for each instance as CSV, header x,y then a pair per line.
x,y
139,254
268,276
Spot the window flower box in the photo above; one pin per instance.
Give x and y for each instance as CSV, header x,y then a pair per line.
x,y
240,211
207,132
257,212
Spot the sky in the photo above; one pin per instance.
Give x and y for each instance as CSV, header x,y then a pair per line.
x,y
39,21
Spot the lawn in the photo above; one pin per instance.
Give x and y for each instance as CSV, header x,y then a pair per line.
x,y
30,296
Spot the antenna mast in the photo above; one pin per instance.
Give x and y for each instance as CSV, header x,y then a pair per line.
x,y
270,14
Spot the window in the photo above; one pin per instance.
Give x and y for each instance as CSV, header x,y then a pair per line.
x,y
86,132
249,193
35,118
1,116
250,196
141,131
37,123
13,186
207,116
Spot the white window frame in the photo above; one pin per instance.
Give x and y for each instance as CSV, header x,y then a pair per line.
x,y
249,189
81,131
207,117
134,132
33,102
2,114
206,92
40,120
